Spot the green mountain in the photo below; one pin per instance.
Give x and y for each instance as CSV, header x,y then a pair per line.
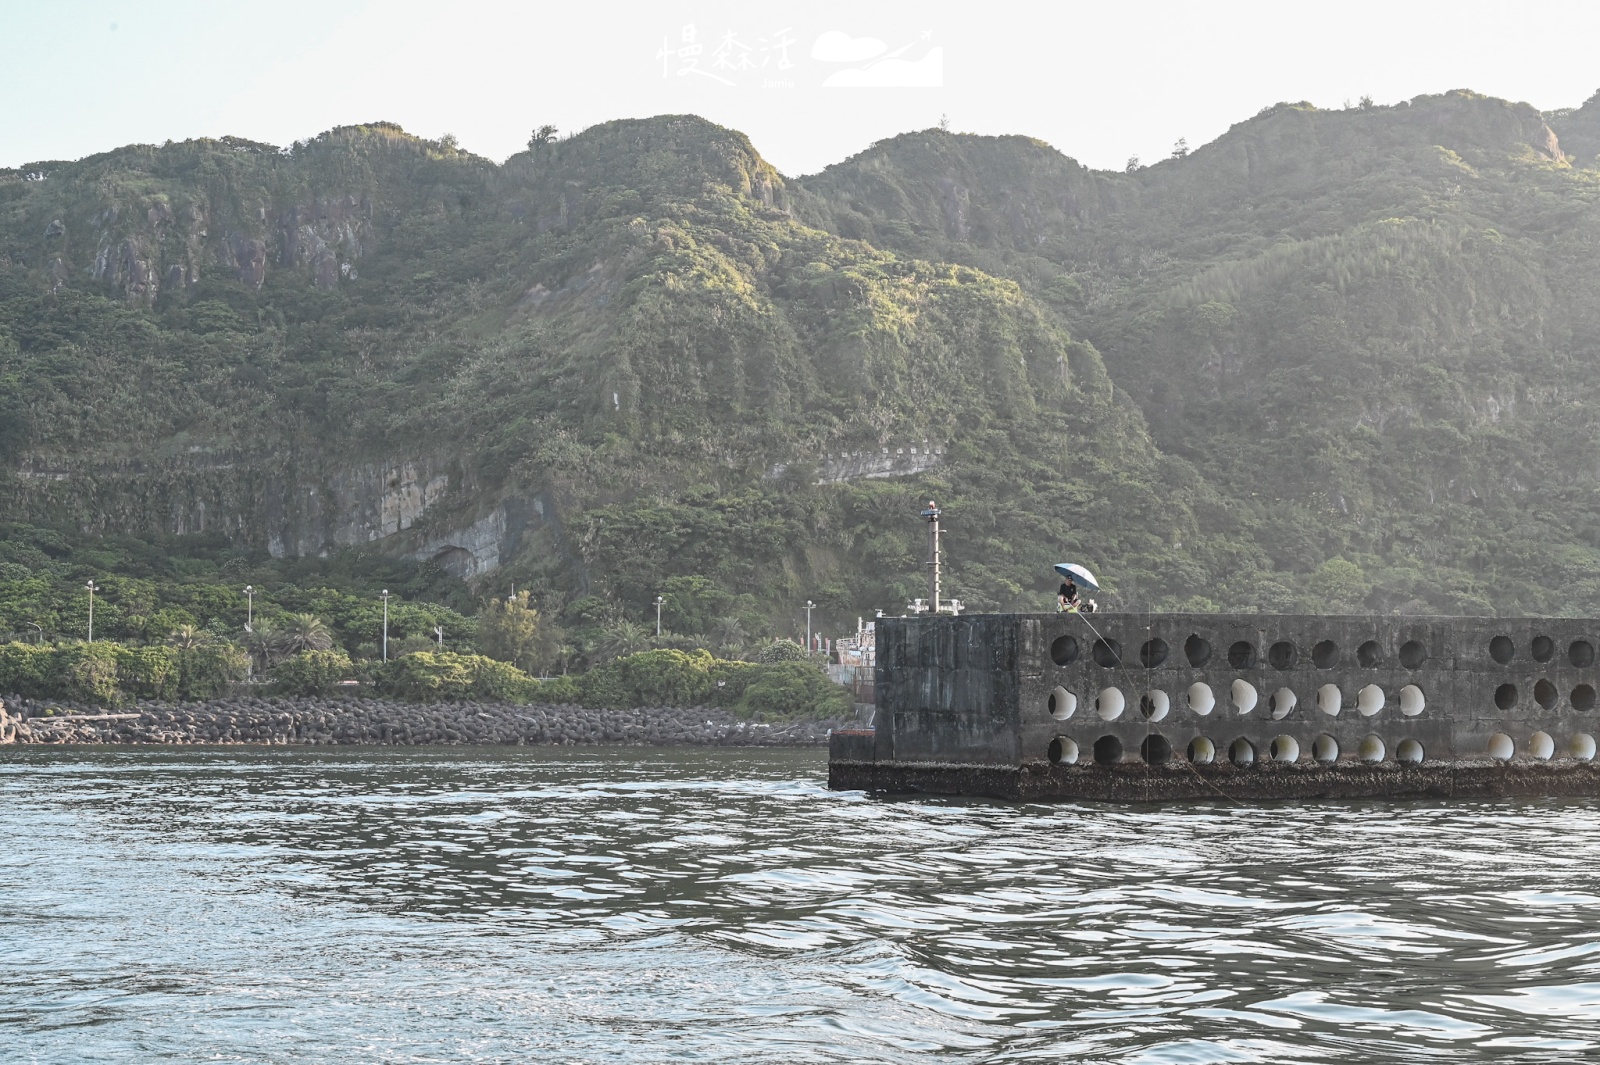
x,y
1331,360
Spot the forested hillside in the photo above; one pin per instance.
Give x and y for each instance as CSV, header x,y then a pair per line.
x,y
1333,360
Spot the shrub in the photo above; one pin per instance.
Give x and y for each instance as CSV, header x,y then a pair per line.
x,y
147,672
430,676
211,669
26,669
793,689
556,690
781,651
311,672
88,672
650,678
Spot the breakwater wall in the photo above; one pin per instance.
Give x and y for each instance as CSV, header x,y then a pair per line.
x,y
1163,706
328,722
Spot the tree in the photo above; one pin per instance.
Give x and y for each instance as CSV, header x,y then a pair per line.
x,y
541,136
512,630
1133,164
619,638
781,651
303,632
187,637
730,637
262,644
1181,148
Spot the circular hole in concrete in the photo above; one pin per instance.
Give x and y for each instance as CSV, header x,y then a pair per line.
x,y
1500,747
1107,653
1543,649
1330,699
1583,697
1369,655
1581,747
1372,749
1242,752
1242,655
1282,655
1501,649
1244,696
1201,698
1546,694
1063,751
1284,749
1064,650
1412,701
1325,655
1155,750
1153,652
1541,746
1110,703
1369,700
1063,704
1505,696
1154,705
1202,751
1581,654
1197,650
1408,752
1413,654
1325,749
1107,750
1281,703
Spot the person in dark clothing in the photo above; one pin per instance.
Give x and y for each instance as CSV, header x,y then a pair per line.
x,y
1067,597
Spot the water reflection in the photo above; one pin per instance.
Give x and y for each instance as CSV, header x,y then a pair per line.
x,y
622,905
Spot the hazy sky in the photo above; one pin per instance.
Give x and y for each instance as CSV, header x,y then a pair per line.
x,y
1101,81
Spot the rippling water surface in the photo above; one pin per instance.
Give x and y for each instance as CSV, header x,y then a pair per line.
x,y
642,906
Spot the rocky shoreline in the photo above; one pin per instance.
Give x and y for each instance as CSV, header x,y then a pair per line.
x,y
285,721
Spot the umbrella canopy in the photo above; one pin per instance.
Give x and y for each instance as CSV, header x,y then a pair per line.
x,y
1078,575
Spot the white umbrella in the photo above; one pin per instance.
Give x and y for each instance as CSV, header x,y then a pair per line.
x,y
1077,574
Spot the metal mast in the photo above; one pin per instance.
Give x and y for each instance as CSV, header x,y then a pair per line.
x,y
931,515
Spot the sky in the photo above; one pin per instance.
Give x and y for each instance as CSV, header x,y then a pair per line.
x,y
1100,81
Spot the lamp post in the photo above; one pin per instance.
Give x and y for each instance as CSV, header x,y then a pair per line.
x,y
385,598
659,600
39,638
249,607
809,606
91,587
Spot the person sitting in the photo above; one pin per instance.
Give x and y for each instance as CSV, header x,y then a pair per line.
x,y
1067,597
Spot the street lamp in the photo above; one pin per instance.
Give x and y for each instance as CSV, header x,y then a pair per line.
x,y
385,598
39,639
659,601
91,587
809,606
249,607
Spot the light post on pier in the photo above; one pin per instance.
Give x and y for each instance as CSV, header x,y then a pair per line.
x,y
92,589
809,606
385,597
659,601
249,607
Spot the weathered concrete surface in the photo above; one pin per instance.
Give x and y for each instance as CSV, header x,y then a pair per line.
x,y
1153,706
1143,783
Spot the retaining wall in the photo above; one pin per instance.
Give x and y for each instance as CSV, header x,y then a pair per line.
x,y
1163,705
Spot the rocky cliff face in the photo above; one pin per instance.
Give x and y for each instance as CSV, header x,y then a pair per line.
x,y
1354,336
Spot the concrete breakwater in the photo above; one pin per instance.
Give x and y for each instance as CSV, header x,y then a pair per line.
x,y
328,722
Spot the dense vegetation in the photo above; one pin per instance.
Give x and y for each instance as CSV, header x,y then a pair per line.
x,y
1334,360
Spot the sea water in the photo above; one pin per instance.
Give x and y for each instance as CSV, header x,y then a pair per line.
x,y
642,905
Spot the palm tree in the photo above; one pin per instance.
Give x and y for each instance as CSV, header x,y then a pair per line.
x,y
303,632
187,637
729,636
262,642
618,639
